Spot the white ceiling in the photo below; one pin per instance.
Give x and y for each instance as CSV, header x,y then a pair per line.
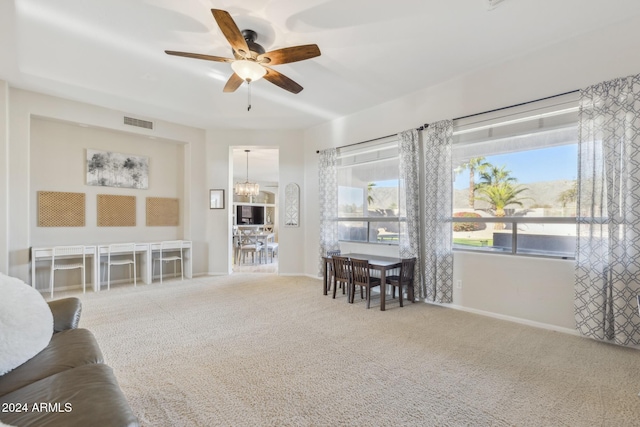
x,y
111,53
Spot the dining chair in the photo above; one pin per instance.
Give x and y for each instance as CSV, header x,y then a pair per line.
x,y
250,244
405,278
329,267
119,254
341,273
272,246
174,249
66,252
361,277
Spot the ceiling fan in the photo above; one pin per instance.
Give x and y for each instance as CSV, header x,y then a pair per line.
x,y
250,62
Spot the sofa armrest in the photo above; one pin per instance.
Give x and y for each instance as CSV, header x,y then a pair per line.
x,y
66,313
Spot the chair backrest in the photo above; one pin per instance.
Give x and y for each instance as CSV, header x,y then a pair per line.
x,y
342,268
122,248
62,251
250,239
360,268
171,244
407,269
68,250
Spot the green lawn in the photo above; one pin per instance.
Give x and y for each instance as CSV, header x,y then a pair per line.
x,y
473,242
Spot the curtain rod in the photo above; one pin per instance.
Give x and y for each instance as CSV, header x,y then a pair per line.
x,y
517,105
426,125
423,127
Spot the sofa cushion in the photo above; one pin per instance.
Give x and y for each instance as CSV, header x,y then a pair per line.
x,y
83,396
26,323
66,350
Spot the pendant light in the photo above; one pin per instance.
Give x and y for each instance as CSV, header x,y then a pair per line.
x,y
247,188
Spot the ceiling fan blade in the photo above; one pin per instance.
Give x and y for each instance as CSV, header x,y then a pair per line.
x,y
289,54
233,83
231,32
282,81
199,56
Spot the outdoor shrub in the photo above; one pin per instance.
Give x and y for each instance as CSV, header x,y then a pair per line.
x,y
467,226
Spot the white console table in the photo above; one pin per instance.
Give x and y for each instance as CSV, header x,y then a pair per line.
x,y
41,254
141,248
187,264
95,252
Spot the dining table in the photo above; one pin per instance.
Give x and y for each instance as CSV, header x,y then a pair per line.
x,y
382,264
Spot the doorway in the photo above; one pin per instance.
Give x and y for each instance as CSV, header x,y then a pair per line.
x,y
254,211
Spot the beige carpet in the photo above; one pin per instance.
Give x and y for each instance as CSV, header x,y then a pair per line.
x,y
262,350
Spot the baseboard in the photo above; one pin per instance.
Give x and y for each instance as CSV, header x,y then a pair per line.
x,y
519,320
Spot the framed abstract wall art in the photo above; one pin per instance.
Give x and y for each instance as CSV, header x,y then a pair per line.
x,y
109,169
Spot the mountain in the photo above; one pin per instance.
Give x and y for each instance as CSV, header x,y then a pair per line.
x,y
538,194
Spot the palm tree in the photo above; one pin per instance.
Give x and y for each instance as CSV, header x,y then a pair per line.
x,y
499,189
494,175
569,196
474,164
370,198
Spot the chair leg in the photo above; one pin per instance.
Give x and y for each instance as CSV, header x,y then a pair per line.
x,y
400,294
368,297
51,279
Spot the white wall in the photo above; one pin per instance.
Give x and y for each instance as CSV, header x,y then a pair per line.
x,y
27,108
539,290
57,162
43,128
4,177
220,144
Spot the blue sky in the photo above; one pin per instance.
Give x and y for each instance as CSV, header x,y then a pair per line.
x,y
547,164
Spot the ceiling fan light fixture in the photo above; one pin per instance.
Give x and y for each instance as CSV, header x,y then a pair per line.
x,y
248,70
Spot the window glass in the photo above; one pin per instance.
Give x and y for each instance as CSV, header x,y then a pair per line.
x,y
526,176
368,193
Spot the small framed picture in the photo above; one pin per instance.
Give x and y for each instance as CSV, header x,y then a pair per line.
x,y
216,199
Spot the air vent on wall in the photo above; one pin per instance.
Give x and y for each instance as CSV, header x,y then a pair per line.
x,y
138,122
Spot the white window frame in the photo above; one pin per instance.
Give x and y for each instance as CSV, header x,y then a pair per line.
x,y
369,148
515,116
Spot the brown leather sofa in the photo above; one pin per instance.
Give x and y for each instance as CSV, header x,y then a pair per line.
x,y
67,384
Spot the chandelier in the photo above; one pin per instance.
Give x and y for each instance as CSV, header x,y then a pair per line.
x,y
247,188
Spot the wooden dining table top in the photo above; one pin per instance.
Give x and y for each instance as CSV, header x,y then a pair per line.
x,y
374,260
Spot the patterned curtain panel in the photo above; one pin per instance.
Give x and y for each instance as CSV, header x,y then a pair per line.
x,y
409,241
438,209
328,189
608,243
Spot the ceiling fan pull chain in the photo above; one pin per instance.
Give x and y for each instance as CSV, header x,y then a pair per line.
x,y
249,99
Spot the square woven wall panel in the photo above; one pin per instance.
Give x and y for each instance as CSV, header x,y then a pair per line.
x,y
162,211
60,209
116,211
